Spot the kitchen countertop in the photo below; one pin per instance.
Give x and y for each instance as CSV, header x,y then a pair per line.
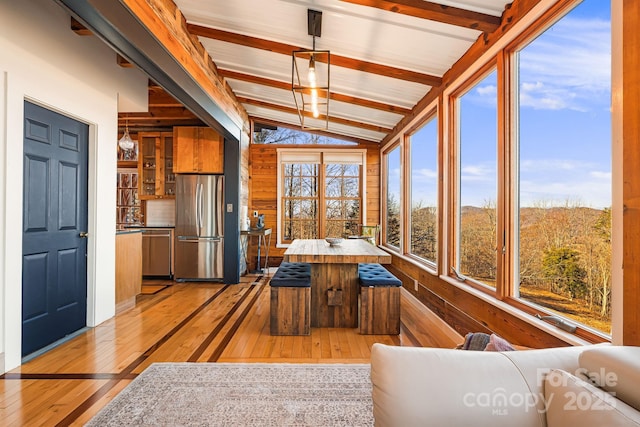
x,y
148,226
128,231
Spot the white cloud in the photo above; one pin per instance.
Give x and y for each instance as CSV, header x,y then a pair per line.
x,y
568,66
478,173
557,181
541,165
487,90
424,175
592,193
540,96
601,175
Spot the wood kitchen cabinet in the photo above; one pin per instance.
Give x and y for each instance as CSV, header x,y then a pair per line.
x,y
198,150
156,178
128,268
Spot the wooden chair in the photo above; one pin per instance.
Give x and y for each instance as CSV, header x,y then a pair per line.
x,y
370,233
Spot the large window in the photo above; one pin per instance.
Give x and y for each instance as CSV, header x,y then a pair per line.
x,y
320,193
300,200
527,172
564,181
392,200
342,198
477,181
423,146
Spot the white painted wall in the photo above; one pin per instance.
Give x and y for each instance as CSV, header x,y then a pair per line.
x,y
43,61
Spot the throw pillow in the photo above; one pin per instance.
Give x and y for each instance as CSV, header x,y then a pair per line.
x,y
497,343
475,341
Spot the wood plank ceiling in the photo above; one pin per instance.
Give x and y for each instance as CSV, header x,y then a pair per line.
x,y
385,56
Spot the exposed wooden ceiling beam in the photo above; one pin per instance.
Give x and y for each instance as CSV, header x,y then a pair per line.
x,y
436,12
79,29
136,123
164,113
159,116
228,74
337,60
158,97
122,61
333,119
328,134
512,14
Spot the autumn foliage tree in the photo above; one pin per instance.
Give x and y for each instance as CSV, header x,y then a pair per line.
x,y
561,266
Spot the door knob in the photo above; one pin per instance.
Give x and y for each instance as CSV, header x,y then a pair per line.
x,y
84,234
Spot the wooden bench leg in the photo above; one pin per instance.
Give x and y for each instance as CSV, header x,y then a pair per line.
x,y
290,310
380,310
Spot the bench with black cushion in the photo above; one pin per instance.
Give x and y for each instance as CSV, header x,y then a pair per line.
x,y
291,299
379,300
292,274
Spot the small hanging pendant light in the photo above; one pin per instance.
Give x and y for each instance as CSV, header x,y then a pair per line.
x,y
126,143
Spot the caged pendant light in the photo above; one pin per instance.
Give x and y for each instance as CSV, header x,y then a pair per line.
x,y
310,79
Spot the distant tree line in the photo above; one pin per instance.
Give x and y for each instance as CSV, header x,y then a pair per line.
x,y
564,249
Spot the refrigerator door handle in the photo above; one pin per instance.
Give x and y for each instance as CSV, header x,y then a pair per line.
x,y
201,210
196,239
197,208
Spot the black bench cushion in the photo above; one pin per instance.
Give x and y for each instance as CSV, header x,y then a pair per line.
x,y
292,274
376,275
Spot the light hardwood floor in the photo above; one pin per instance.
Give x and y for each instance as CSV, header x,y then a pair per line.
x,y
193,322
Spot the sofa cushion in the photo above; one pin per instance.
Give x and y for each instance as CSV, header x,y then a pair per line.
x,y
615,369
292,274
573,402
445,387
376,275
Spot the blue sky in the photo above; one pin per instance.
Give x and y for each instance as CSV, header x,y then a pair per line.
x,y
565,131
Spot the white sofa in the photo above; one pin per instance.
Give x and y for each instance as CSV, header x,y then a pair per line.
x,y
550,387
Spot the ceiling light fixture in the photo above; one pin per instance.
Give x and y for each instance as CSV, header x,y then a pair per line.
x,y
311,89
126,143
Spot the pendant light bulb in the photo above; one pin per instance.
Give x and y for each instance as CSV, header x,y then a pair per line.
x,y
312,72
314,103
126,143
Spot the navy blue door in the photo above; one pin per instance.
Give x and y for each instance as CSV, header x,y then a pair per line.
x,y
54,244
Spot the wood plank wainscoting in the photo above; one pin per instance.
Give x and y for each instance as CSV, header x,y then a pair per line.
x,y
187,322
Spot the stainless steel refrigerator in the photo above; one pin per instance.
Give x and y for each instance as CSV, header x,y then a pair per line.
x,y
199,244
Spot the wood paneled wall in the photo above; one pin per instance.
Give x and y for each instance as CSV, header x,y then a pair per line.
x,y
263,170
631,173
466,312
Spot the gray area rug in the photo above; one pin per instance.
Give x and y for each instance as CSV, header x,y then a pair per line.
x,y
243,394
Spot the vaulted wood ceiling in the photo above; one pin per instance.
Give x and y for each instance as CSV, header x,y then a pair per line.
x,y
385,56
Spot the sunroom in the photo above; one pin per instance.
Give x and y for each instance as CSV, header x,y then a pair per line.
x,y
479,138
489,144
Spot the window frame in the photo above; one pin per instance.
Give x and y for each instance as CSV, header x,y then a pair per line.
x,y
300,198
384,160
509,55
454,165
432,113
322,156
501,56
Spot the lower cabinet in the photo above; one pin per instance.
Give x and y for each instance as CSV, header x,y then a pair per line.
x,y
156,252
128,269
